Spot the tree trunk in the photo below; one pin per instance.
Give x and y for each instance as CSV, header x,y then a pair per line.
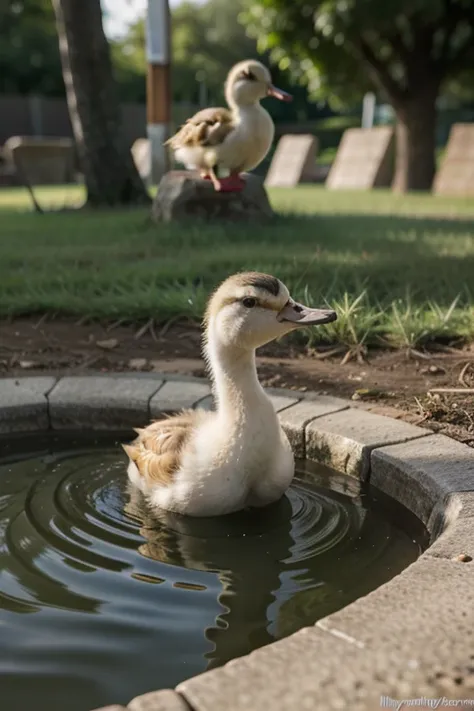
x,y
110,174
416,141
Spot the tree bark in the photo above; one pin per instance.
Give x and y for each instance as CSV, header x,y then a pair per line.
x,y
110,173
415,162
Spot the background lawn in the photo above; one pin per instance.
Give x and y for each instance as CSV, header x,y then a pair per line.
x,y
397,267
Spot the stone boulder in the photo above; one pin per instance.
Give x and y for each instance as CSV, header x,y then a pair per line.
x,y
184,194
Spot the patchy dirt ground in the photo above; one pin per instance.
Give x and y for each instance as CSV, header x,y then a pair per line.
x,y
433,389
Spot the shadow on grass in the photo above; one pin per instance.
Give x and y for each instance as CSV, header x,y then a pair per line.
x,y
119,264
390,255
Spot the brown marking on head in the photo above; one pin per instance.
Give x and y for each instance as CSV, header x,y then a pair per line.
x,y
247,82
265,282
248,70
269,291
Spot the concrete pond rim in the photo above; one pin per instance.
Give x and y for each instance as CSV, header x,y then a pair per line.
x,y
411,639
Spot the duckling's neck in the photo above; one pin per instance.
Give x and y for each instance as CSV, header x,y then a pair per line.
x,y
237,389
249,113
243,107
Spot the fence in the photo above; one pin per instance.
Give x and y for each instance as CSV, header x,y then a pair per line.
x,y
40,116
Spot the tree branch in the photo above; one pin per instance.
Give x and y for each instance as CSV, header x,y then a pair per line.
x,y
399,46
379,71
457,60
449,21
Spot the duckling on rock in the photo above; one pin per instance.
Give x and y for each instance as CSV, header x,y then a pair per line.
x,y
236,139
211,463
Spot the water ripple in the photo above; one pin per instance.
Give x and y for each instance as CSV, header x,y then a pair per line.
x,y
101,596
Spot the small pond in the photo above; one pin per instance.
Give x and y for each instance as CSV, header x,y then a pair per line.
x,y
100,602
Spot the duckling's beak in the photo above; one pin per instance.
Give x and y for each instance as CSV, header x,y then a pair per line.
x,y
302,315
279,93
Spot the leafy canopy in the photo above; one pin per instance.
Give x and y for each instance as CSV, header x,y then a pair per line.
x,y
342,48
207,40
29,55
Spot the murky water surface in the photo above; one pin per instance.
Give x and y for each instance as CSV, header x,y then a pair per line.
x,y
99,601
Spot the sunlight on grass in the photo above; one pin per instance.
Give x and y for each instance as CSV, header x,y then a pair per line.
x,y
50,197
308,199
398,269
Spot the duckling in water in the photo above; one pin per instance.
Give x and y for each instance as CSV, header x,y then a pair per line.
x,y
211,463
235,139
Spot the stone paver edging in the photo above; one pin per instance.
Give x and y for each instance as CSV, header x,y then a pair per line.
x,y
409,638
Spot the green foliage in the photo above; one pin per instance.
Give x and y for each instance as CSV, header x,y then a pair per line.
x,y
341,48
414,325
129,62
29,55
207,40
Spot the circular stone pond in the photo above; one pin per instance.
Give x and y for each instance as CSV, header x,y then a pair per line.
x,y
100,601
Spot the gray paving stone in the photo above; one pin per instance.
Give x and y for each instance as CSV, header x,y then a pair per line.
x,y
280,402
345,439
391,642
422,472
452,527
176,395
413,636
430,603
23,404
165,700
163,376
97,402
454,506
295,419
206,403
461,503
457,541
275,677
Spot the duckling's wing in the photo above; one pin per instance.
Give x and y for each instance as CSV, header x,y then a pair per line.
x,y
208,127
157,450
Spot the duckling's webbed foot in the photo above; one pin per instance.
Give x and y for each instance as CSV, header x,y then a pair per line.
x,y
233,184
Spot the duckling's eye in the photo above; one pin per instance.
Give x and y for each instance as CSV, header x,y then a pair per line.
x,y
249,76
249,302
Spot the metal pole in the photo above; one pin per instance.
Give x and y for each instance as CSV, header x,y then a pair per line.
x,y
368,110
158,45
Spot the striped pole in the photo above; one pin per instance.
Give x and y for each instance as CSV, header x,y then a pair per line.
x,y
158,90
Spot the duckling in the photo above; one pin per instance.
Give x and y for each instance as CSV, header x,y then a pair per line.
x,y
202,463
236,139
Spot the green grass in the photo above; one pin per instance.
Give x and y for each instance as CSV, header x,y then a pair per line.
x,y
399,269
50,197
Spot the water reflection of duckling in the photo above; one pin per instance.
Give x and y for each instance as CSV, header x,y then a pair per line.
x,y
246,550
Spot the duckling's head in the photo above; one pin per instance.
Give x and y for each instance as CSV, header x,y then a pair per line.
x,y
250,81
251,309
